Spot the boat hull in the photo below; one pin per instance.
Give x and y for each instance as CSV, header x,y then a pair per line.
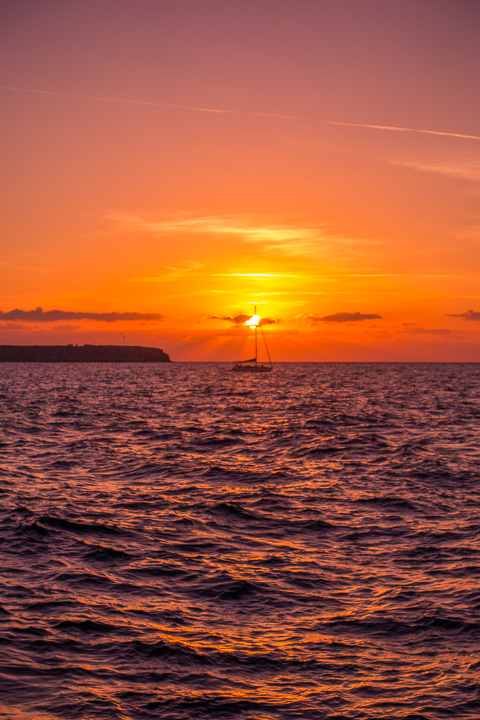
x,y
252,368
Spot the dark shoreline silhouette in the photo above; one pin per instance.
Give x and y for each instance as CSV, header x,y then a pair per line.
x,y
81,353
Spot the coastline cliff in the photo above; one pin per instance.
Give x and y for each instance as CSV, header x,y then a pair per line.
x,y
81,353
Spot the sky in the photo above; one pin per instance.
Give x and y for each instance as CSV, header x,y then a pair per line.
x,y
169,165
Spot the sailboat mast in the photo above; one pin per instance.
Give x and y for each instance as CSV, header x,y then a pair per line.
x,y
255,338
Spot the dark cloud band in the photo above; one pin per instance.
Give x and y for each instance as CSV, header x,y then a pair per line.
x,y
38,315
342,317
470,315
426,331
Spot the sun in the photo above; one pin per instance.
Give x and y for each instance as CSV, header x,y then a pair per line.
x,y
254,320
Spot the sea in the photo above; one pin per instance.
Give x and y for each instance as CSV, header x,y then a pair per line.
x,y
180,541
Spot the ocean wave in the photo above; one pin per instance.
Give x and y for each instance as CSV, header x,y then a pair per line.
x,y
183,543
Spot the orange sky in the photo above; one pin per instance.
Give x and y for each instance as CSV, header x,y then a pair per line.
x,y
190,160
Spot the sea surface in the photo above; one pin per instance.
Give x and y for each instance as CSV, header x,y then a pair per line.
x,y
180,541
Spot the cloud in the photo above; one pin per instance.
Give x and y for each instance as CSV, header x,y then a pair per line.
x,y
238,319
242,319
128,101
64,328
470,315
174,272
254,275
298,239
381,335
464,167
413,330
14,326
342,317
223,111
38,315
402,129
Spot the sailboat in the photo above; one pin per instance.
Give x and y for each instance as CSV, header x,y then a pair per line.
x,y
252,364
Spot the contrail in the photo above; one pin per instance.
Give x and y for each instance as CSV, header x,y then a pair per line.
x,y
402,129
38,92
218,111
153,104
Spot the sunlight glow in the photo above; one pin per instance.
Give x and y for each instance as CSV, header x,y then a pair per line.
x,y
254,320
254,275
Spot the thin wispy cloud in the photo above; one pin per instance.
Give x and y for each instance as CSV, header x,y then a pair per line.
x,y
471,233
298,239
405,274
463,166
254,275
173,272
223,111
318,241
151,103
393,128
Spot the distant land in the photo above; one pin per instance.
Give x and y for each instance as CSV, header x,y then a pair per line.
x,y
81,353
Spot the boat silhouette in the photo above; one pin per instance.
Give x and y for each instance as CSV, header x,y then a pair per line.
x,y
252,364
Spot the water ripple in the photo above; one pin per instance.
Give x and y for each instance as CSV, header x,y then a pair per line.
x,y
180,542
